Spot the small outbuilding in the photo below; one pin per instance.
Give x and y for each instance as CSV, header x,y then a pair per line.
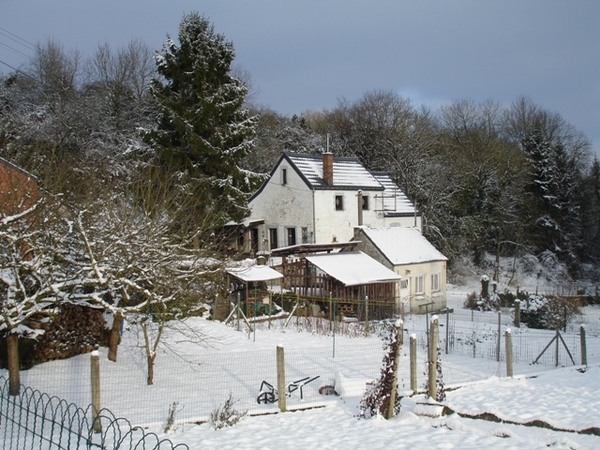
x,y
420,266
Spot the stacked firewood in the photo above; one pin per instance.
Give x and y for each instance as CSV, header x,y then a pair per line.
x,y
73,330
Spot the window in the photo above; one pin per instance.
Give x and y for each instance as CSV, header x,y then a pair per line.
x,y
291,236
435,282
404,283
304,235
339,202
419,284
365,202
284,176
273,237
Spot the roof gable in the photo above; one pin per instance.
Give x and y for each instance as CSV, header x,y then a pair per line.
x,y
402,245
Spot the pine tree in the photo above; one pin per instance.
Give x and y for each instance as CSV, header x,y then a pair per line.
x,y
203,132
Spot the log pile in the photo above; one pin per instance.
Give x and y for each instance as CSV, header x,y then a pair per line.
x,y
74,330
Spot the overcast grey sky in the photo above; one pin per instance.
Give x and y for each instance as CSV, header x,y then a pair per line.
x,y
307,54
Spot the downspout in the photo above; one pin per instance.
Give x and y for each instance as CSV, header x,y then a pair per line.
x,y
360,211
314,239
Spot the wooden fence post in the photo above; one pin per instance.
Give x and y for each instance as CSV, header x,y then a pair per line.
x,y
281,379
394,390
433,349
509,352
413,363
95,378
583,345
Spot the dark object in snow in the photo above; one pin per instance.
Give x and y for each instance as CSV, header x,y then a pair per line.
x,y
268,393
327,389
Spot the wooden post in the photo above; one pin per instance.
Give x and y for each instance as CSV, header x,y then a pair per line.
x,y
12,354
394,390
95,378
509,352
583,345
281,379
433,349
517,313
413,363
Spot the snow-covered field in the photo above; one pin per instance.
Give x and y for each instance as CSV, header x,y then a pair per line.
x,y
198,379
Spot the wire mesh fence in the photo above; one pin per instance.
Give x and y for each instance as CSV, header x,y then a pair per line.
x,y
193,380
36,420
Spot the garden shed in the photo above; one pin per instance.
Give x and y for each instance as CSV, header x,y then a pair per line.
x,y
248,287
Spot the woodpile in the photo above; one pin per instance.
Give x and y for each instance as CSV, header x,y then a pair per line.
x,y
73,330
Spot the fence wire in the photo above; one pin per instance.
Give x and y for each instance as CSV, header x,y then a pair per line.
x,y
34,419
321,358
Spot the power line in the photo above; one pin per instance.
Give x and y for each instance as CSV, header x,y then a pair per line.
x,y
17,70
17,39
14,50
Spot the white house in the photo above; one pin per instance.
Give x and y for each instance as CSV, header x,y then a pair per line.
x,y
408,253
320,199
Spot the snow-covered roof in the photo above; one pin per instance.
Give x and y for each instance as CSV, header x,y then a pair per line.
x,y
347,172
394,200
403,245
353,269
254,273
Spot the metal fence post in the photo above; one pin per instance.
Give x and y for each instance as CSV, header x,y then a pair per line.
x,y
583,345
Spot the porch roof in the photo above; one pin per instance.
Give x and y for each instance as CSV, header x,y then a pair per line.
x,y
254,273
353,269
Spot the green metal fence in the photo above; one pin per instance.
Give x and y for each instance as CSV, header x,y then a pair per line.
x,y
34,419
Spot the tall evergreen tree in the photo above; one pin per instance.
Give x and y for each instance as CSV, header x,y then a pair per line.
x,y
204,132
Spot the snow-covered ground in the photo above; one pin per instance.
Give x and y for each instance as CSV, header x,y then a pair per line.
x,y
198,379
237,361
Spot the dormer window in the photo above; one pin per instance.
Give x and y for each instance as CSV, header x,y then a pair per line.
x,y
339,202
284,176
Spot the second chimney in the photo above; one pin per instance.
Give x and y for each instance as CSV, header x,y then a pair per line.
x,y
328,168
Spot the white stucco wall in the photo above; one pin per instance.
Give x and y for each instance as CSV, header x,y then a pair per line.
x,y
282,206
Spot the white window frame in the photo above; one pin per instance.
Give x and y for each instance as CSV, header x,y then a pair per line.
x,y
419,284
435,282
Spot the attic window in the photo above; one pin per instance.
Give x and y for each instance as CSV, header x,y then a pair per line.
x,y
284,176
339,202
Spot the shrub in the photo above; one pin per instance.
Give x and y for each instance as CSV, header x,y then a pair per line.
x,y
377,399
226,415
548,312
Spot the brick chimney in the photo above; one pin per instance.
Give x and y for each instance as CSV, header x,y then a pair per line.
x,y
328,168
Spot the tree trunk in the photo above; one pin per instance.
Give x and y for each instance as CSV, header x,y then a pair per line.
x,y
14,376
150,362
115,337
